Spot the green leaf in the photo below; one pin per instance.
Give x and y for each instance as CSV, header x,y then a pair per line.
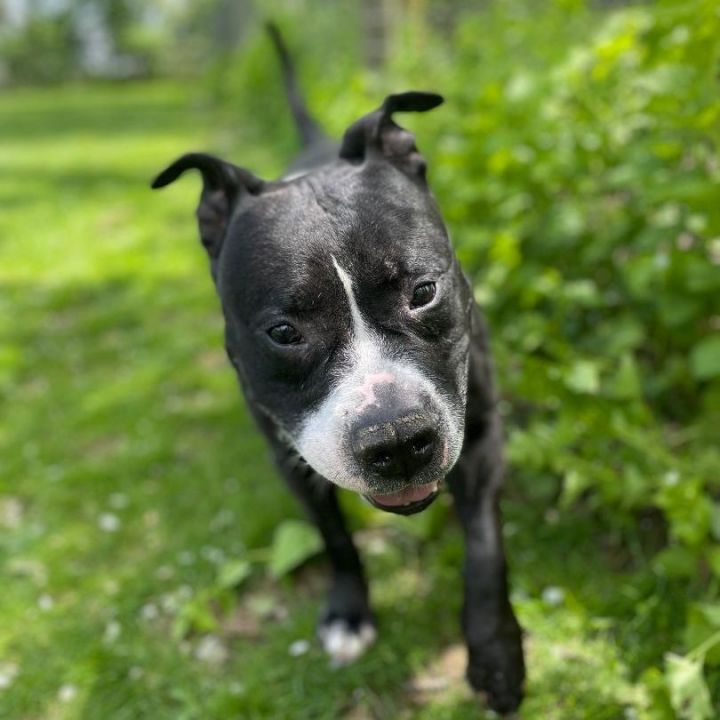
x,y
583,377
582,292
626,383
293,543
233,573
703,622
574,484
689,694
195,616
621,335
705,358
654,684
687,507
675,561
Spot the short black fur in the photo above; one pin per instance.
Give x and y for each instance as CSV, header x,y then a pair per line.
x,y
367,205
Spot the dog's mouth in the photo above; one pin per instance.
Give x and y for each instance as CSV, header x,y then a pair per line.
x,y
407,501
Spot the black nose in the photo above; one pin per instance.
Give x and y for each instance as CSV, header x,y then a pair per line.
x,y
397,448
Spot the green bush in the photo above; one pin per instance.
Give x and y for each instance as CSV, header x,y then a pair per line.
x,y
583,195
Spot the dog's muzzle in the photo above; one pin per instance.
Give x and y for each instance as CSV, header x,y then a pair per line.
x,y
395,453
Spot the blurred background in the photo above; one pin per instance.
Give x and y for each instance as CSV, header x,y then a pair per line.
x,y
151,562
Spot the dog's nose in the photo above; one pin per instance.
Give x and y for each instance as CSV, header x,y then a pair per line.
x,y
398,448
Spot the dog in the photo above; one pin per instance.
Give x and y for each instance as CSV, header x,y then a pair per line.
x,y
363,357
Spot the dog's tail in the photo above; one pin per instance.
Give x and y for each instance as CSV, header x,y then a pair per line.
x,y
309,130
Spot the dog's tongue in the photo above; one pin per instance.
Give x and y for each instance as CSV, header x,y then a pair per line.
x,y
407,496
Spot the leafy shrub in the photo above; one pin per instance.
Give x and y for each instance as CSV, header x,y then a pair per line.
x,y
583,195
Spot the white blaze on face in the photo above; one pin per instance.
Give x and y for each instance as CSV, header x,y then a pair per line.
x,y
360,330
323,438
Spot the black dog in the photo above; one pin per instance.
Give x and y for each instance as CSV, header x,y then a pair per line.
x,y
363,357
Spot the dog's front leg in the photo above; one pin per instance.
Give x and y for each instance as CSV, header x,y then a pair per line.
x,y
347,626
492,633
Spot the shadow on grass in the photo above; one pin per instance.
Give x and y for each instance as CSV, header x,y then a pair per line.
x,y
135,111
51,181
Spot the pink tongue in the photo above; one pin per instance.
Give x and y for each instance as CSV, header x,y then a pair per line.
x,y
406,496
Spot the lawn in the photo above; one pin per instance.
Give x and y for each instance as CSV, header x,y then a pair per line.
x,y
132,481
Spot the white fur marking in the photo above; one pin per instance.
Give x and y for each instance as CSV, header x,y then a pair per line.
x,y
342,644
360,330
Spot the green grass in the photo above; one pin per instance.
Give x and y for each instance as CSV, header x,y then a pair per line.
x,y
129,470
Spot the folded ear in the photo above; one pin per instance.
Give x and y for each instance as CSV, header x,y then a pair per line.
x,y
377,134
223,186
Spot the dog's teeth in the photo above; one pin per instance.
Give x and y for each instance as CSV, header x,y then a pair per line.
x,y
435,486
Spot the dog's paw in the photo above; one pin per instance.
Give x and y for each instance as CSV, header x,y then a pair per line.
x,y
344,640
347,627
498,670
502,694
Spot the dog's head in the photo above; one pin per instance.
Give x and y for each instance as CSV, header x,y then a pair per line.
x,y
346,312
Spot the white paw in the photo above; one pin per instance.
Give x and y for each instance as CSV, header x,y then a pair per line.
x,y
344,645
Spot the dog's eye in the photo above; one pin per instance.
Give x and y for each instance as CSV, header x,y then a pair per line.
x,y
284,334
423,294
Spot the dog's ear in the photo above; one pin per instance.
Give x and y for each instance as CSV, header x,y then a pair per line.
x,y
377,134
223,186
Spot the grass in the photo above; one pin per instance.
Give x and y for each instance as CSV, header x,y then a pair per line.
x,y
130,472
